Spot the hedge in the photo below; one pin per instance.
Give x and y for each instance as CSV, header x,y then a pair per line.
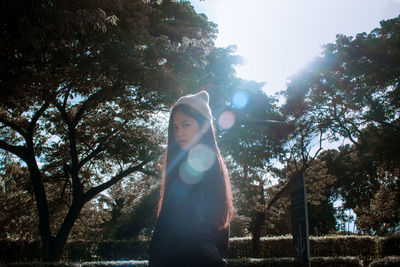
x,y
123,250
271,247
363,247
291,262
13,251
366,248
391,261
251,262
82,264
391,245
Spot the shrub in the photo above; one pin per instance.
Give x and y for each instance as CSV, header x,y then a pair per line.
x,y
80,250
328,246
41,264
277,246
20,250
115,263
289,262
123,250
250,262
333,246
336,261
365,248
271,247
261,262
84,264
391,261
391,245
239,247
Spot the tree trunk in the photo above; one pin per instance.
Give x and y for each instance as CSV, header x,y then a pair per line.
x,y
52,250
52,247
42,207
255,241
258,223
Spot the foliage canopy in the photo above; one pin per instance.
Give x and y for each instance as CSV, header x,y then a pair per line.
x,y
81,85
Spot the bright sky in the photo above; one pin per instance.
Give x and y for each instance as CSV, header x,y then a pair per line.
x,y
277,38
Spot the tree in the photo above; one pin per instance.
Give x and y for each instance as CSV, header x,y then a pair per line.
x,y
17,207
251,143
16,202
320,198
354,83
350,94
141,219
318,183
81,85
367,184
133,207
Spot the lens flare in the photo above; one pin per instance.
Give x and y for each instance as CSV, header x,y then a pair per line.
x,y
240,99
190,175
201,157
226,120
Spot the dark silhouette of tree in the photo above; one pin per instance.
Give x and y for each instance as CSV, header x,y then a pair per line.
x,y
368,184
254,140
350,93
354,83
140,219
81,85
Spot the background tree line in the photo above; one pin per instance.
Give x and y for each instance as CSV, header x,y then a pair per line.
x,y
84,89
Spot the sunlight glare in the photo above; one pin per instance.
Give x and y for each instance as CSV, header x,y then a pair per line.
x,y
240,99
190,175
201,157
226,120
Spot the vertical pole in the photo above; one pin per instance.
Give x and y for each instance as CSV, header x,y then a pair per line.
x,y
298,203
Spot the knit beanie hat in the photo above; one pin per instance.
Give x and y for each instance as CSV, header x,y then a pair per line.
x,y
197,101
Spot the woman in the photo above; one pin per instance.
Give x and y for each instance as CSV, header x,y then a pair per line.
x,y
195,206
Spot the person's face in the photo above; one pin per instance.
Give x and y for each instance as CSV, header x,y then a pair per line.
x,y
186,130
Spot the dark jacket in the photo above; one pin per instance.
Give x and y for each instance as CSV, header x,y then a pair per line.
x,y
182,237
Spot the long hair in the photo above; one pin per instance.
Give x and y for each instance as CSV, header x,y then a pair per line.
x,y
220,211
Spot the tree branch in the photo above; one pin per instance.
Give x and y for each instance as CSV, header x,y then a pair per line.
x,y
36,117
93,154
312,158
95,190
63,113
337,119
77,188
82,109
19,151
100,148
278,195
66,98
14,126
